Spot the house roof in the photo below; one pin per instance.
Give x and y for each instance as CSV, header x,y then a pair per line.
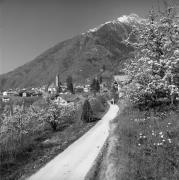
x,y
121,78
70,97
52,85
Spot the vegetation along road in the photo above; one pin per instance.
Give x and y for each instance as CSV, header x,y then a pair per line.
x,y
77,159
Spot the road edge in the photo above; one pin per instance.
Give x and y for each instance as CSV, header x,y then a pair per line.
x,y
94,170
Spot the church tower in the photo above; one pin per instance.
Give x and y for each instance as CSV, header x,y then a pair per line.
x,y
57,82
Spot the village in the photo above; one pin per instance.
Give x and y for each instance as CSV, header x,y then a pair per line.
x,y
89,90
60,92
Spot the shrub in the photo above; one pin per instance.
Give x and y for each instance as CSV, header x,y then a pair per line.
x,y
17,130
95,86
52,116
97,104
87,113
103,99
1,106
57,116
69,82
41,103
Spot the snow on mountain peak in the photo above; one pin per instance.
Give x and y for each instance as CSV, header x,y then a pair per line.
x,y
123,19
132,18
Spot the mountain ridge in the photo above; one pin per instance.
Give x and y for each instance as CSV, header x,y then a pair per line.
x,y
81,56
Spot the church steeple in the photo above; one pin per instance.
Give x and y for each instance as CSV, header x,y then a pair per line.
x,y
57,82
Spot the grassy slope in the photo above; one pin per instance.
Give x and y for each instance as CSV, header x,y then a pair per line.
x,y
142,145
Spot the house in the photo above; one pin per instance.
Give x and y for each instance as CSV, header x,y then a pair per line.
x,y
86,88
63,88
60,101
5,99
52,89
24,94
79,89
121,79
10,93
70,98
104,90
4,93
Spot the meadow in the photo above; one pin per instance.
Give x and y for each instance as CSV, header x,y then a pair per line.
x,y
142,145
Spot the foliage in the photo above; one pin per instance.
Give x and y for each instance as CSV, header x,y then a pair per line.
x,y
52,116
100,79
2,104
114,93
95,86
154,70
69,82
87,113
97,104
23,135
18,130
104,67
58,115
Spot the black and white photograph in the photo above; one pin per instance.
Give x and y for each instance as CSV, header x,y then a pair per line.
x,y
89,89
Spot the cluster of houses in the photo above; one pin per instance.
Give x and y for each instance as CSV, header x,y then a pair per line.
x,y
54,87
51,89
30,92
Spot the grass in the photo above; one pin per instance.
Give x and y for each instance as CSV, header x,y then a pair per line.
x,y
43,149
93,173
143,145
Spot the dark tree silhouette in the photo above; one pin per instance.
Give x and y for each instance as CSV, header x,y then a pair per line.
x,y
95,86
114,93
69,82
100,79
87,113
104,68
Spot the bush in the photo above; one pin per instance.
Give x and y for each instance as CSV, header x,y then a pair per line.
x,y
2,104
41,103
57,116
52,116
17,132
103,99
87,113
97,104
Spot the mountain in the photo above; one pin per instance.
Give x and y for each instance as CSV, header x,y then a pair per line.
x,y
81,56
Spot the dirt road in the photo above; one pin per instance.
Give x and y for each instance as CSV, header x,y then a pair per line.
x,y
77,159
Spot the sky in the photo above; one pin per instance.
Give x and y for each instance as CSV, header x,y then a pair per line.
x,y
29,27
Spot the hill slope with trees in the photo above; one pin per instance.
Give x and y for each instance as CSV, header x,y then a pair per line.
x,y
81,57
